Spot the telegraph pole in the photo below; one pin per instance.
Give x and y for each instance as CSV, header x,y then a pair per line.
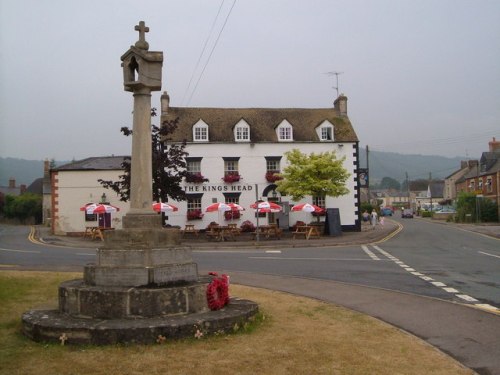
x,y
368,171
408,190
430,190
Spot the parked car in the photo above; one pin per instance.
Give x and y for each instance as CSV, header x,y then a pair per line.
x,y
447,210
386,211
407,213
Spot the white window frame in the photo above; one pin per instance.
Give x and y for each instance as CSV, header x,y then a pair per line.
x,y
200,131
231,167
193,166
325,131
242,131
273,165
284,132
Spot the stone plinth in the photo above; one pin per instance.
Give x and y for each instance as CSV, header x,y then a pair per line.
x,y
159,275
141,238
81,300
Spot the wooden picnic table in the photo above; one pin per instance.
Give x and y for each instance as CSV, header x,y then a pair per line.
x,y
189,228
268,231
98,232
220,233
307,231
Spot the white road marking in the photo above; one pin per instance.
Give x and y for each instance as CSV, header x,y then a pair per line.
x,y
22,251
273,251
466,297
86,254
369,252
426,278
441,285
438,283
491,255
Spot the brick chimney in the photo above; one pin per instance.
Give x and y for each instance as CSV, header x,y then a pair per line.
x,y
494,145
165,103
340,104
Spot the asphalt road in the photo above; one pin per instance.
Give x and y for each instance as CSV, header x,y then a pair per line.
x,y
427,259
392,280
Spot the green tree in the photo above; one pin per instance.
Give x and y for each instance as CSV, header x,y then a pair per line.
x,y
23,207
169,165
390,183
318,175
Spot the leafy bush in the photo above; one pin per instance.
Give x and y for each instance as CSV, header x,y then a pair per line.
x,y
23,207
426,214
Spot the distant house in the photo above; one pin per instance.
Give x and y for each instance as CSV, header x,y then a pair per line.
x,y
75,184
430,197
12,188
450,182
484,180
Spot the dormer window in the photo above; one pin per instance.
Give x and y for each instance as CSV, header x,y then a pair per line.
x,y
200,131
325,131
242,131
284,131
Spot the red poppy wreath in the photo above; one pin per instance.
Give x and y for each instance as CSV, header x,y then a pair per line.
x,y
218,291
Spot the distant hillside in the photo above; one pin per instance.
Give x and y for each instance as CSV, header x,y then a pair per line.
x,y
389,164
23,171
382,164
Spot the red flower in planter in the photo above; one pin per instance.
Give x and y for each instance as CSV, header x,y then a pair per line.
x,y
196,178
194,215
231,177
272,176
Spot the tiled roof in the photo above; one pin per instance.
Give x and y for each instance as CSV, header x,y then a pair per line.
x,y
94,163
262,121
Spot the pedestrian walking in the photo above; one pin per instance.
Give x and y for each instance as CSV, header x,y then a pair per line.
x,y
374,219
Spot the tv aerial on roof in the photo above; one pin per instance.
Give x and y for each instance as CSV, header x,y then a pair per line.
x,y
336,74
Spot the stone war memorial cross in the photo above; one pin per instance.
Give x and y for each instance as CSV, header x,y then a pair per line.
x,y
144,286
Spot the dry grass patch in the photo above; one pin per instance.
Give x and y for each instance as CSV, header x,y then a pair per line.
x,y
297,336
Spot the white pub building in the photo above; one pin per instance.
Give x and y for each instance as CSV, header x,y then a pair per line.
x,y
240,149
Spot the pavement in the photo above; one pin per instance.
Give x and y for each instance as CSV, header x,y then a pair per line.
x,y
469,335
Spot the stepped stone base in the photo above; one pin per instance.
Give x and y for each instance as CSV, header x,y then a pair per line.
x,y
81,300
53,326
162,275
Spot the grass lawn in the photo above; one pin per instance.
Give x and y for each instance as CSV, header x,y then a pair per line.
x,y
297,336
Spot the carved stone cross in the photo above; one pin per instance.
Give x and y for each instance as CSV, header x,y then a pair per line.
x,y
143,29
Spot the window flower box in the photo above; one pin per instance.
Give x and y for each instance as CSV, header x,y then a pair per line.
x,y
231,177
273,176
195,178
195,215
232,215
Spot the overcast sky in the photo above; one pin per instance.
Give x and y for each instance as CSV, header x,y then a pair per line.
x,y
421,76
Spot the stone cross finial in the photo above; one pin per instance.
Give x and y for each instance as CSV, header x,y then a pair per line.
x,y
143,29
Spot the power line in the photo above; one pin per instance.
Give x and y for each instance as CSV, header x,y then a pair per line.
x,y
211,52
202,52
